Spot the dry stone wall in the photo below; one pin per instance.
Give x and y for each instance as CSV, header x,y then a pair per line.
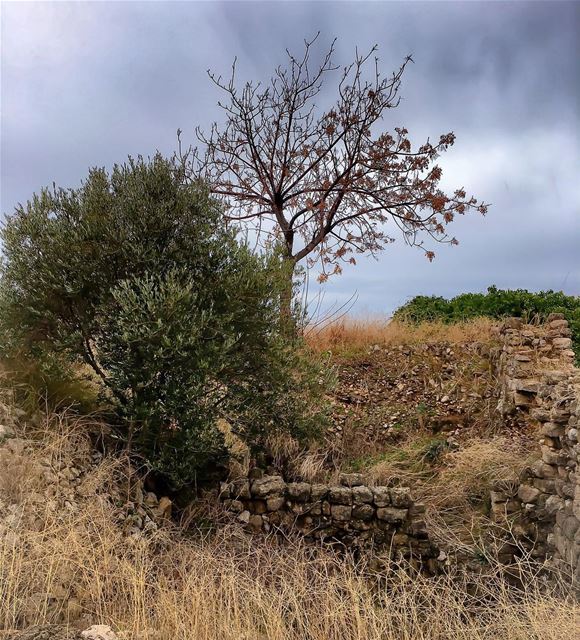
x,y
351,513
537,376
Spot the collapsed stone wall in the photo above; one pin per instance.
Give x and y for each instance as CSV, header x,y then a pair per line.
x,y
537,376
351,513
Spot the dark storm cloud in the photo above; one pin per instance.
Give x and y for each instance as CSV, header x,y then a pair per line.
x,y
85,84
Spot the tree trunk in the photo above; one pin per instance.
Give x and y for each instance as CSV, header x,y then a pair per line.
x,y
287,319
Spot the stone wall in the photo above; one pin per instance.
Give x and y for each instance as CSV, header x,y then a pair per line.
x,y
537,376
351,513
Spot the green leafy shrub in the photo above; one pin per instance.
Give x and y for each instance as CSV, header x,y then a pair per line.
x,y
134,276
496,303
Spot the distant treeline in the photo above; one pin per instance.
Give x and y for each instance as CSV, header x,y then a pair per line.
x,y
496,303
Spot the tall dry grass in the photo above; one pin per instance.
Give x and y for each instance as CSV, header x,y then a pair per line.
x,y
78,567
235,588
353,334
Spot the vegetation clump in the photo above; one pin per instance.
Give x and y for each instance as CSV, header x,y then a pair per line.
x,y
496,303
135,276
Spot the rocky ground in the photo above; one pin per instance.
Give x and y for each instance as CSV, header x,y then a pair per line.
x,y
444,390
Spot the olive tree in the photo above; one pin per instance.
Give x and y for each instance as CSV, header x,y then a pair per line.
x,y
135,275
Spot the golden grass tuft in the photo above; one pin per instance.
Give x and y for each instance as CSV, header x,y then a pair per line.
x,y
354,334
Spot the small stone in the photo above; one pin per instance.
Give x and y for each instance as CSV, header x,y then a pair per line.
x,y
244,517
98,632
255,523
164,507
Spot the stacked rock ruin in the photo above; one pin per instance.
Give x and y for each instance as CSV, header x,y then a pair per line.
x,y
352,513
538,376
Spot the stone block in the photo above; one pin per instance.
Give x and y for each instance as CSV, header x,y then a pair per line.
x,y
562,343
255,523
351,479
570,526
552,430
560,415
400,496
241,489
555,316
363,511
542,414
318,491
360,525
417,509
549,456
315,508
382,496
559,323
528,494
362,495
553,504
268,486
392,515
234,505
341,512
299,491
275,503
258,506
340,495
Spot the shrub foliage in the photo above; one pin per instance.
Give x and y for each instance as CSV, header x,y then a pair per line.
x,y
135,275
496,303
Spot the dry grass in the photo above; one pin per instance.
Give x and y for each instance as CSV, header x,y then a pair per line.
x,y
167,587
352,334
79,568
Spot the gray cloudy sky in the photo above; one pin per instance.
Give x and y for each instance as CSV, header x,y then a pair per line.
x,y
85,84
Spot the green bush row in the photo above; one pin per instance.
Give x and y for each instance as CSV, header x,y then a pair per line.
x,y
496,303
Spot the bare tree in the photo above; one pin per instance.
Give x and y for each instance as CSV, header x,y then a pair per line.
x,y
326,183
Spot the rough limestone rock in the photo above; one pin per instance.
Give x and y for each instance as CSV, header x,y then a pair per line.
x,y
98,632
268,486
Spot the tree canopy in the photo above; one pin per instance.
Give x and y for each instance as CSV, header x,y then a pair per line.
x,y
329,183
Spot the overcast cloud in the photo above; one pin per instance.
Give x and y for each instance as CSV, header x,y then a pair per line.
x,y
86,84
